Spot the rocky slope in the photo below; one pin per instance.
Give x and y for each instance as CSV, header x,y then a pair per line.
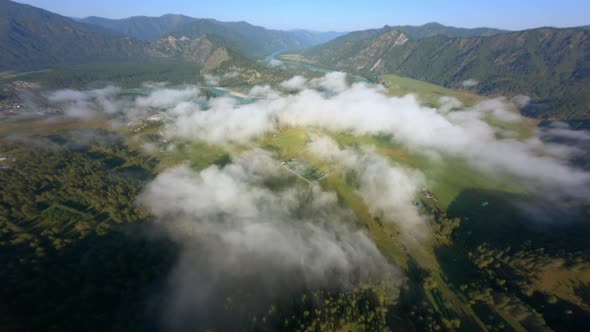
x,y
552,66
201,51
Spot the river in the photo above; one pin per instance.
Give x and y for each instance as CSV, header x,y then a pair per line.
x,y
310,67
239,97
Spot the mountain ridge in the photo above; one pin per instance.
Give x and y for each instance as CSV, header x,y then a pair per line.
x,y
140,27
251,40
431,29
551,65
33,38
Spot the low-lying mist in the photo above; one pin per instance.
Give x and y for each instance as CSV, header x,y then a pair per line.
x,y
242,240
240,234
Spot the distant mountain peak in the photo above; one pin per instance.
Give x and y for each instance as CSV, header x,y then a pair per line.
x,y
433,24
394,37
241,36
43,39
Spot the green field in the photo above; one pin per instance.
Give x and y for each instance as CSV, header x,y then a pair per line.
x,y
305,170
295,58
427,92
448,178
430,94
432,264
387,236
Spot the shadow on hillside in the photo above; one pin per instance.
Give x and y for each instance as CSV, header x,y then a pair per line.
x,y
507,219
100,283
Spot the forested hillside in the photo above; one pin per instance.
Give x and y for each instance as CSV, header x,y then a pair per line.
x,y
552,66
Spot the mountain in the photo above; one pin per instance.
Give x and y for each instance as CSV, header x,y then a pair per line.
x,y
316,37
248,39
33,38
141,27
354,39
550,65
433,29
205,51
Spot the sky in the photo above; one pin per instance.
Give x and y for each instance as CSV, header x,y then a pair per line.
x,y
343,15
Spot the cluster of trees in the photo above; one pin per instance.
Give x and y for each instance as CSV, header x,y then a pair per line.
x,y
58,190
132,75
68,205
324,310
98,283
69,259
508,285
444,226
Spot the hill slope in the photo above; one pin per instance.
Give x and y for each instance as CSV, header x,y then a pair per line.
x,y
552,66
251,40
434,29
206,51
33,38
141,27
248,39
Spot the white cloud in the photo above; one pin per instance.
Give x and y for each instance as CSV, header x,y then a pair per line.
x,y
331,103
234,230
87,104
234,203
334,81
231,225
389,190
563,130
264,91
211,80
448,104
223,123
168,98
521,100
364,109
469,83
231,74
274,63
294,83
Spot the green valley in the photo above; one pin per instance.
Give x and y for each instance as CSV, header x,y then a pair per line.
x,y
173,173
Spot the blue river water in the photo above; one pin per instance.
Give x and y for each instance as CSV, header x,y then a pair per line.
x,y
240,99
218,92
309,67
